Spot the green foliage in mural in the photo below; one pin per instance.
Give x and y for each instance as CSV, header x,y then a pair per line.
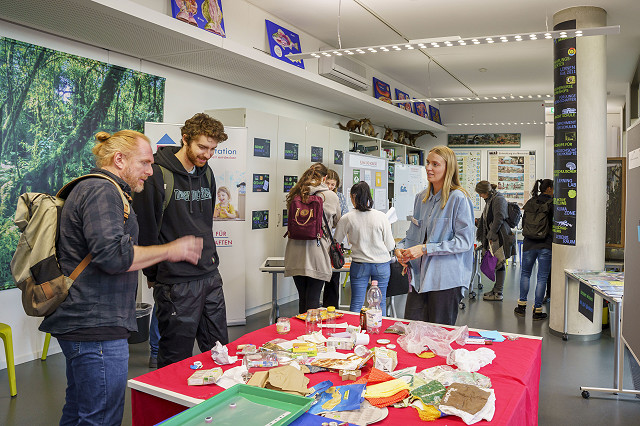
x,y
51,106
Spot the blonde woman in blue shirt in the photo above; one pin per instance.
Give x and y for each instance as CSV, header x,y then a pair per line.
x,y
438,247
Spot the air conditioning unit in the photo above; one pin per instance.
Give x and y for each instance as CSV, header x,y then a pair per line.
x,y
344,71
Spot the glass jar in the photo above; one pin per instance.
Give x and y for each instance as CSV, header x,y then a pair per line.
x,y
331,320
313,321
283,326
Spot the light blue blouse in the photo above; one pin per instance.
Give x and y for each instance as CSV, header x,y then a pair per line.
x,y
450,237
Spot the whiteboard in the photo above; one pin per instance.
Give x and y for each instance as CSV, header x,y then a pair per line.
x,y
409,181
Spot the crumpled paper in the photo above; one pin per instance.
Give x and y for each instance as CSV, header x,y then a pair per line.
x,y
232,376
470,403
471,360
220,355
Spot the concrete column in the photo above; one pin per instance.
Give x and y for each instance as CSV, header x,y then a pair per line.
x,y
588,253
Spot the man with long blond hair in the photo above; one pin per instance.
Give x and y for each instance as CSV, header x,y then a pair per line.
x,y
93,323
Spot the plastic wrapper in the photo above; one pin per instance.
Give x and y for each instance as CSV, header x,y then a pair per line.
x,y
220,355
420,337
471,360
447,375
397,328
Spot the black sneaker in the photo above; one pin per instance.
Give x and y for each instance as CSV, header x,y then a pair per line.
x,y
520,310
539,315
153,362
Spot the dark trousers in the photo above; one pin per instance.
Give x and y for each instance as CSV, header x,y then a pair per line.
x,y
308,292
439,307
188,312
331,291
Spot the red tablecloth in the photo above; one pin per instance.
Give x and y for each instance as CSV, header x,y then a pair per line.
x,y
514,374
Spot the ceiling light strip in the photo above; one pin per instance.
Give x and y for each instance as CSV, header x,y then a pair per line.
x,y
451,41
482,98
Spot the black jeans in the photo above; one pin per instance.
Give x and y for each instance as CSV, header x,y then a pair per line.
x,y
331,293
308,292
190,311
439,307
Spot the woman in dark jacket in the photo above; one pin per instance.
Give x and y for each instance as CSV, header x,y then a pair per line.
x,y
538,217
494,232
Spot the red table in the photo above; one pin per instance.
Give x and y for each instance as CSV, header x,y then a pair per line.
x,y
514,374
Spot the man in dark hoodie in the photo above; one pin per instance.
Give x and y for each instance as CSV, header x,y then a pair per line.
x,y
179,200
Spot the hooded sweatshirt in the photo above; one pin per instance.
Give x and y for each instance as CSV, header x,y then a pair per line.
x,y
190,212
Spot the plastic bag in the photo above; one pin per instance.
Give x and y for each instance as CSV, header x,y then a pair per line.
x,y
471,360
220,355
421,336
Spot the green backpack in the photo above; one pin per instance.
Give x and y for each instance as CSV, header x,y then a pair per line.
x,y
34,265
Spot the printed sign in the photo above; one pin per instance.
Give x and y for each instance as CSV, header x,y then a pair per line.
x,y
289,182
356,176
290,151
260,182
565,142
337,157
285,218
585,301
261,147
260,219
316,154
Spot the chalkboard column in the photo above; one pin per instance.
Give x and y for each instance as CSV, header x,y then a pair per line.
x,y
580,158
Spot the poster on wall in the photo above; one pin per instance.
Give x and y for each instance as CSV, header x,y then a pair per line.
x,y
45,136
289,182
381,90
434,114
565,139
283,42
504,140
205,14
260,219
290,151
514,172
400,95
260,182
420,108
409,181
337,156
469,173
316,154
370,169
261,147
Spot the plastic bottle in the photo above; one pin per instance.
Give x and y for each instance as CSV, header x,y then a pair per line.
x,y
331,320
374,313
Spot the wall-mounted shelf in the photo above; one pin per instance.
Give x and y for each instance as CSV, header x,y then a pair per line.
x,y
381,146
129,28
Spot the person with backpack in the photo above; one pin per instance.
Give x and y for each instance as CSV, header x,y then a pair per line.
x,y
93,323
177,200
438,247
306,259
495,234
369,233
536,230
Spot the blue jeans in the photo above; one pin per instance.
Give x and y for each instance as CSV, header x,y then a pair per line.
x,y
544,267
96,381
154,334
359,275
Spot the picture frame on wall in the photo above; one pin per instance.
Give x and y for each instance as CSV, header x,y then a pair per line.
x,y
462,140
434,114
282,42
205,14
616,199
400,95
381,90
420,108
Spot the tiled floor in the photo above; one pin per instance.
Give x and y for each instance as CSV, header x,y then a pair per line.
x,y
565,367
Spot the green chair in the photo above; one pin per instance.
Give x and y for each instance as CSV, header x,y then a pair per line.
x,y
5,334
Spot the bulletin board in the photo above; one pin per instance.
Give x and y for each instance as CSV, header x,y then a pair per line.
x,y
373,170
514,172
409,182
469,172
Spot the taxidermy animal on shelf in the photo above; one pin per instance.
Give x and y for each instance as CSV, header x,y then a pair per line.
x,y
388,134
413,136
352,126
367,128
401,136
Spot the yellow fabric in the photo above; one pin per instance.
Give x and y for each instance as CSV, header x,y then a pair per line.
x,y
386,389
429,413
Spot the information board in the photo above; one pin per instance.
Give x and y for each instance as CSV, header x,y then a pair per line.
x,y
290,151
565,139
373,170
261,147
289,182
316,154
260,182
514,172
469,172
585,301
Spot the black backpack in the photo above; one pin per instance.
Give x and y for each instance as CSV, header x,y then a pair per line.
x,y
536,224
513,214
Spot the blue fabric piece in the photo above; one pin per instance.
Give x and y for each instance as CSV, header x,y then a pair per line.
x,y
351,396
492,335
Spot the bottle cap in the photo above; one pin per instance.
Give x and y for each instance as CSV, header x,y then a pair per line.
x,y
374,282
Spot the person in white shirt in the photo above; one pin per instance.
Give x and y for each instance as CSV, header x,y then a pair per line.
x,y
369,233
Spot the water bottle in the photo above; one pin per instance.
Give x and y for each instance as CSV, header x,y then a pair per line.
x,y
313,322
331,320
374,313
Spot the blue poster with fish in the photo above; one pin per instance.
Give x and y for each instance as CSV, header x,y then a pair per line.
x,y
283,42
205,14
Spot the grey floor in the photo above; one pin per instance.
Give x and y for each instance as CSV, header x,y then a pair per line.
x,y
565,367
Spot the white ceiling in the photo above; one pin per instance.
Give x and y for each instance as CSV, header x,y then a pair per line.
x,y
511,68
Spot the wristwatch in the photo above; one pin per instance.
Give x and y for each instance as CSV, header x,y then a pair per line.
x,y
424,248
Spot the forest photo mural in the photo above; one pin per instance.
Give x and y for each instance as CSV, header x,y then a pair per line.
x,y
51,106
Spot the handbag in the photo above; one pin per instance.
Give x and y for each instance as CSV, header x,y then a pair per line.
x,y
488,265
336,252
